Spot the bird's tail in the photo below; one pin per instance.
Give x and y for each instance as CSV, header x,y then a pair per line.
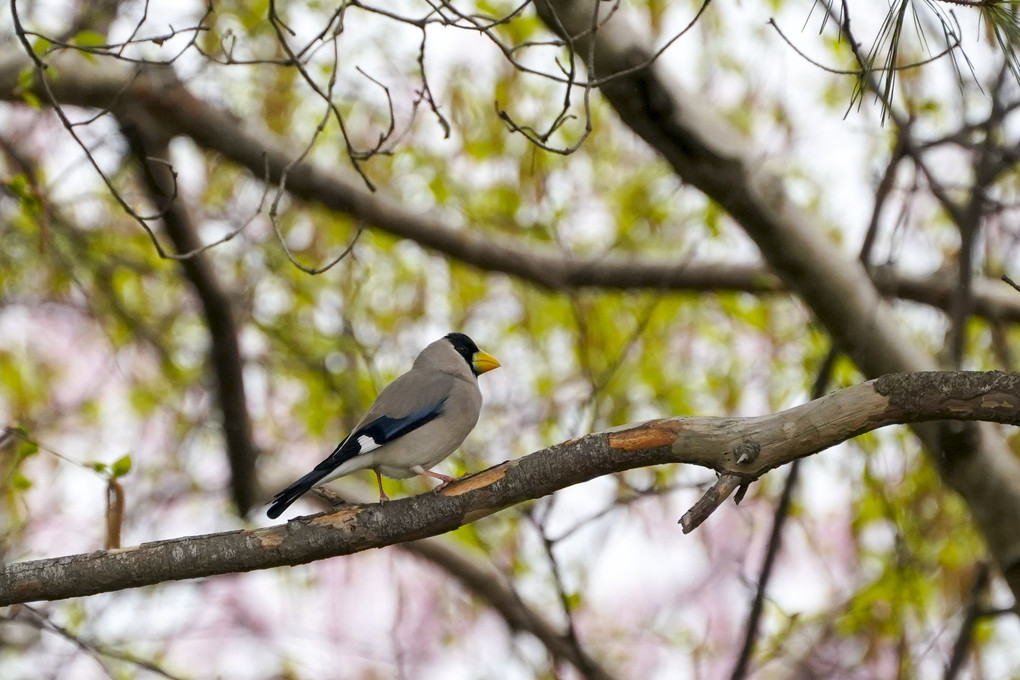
x,y
283,499
344,451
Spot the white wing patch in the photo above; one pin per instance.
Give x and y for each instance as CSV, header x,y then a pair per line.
x,y
366,443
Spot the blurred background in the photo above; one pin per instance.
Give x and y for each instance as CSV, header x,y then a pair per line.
x,y
188,354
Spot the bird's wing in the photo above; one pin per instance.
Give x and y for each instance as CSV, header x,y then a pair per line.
x,y
410,401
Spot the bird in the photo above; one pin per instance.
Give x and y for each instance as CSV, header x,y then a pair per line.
x,y
416,421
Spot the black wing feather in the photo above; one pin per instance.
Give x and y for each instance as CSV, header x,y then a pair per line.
x,y
385,429
381,430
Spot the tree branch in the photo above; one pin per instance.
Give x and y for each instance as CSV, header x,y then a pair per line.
x,y
151,152
116,86
715,443
722,162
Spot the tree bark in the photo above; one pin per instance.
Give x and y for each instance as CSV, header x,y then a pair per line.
x,y
716,443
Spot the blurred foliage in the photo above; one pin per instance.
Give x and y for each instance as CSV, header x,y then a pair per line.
x,y
103,351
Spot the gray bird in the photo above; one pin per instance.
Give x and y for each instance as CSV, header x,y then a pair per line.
x,y
418,420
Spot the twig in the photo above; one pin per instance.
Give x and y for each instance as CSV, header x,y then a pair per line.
x,y
281,29
775,541
37,619
857,71
712,499
114,513
970,619
783,509
570,638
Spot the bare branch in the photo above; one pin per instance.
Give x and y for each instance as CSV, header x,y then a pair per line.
x,y
356,156
114,513
38,619
711,442
710,501
40,69
153,156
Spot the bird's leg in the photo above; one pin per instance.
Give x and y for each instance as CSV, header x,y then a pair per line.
x,y
382,494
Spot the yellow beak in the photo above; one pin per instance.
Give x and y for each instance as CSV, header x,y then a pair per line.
x,y
484,362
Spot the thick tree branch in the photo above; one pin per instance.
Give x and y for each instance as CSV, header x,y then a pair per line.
x,y
116,86
711,442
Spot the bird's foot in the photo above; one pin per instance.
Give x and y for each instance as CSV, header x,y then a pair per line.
x,y
445,479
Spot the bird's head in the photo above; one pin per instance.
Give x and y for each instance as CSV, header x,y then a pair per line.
x,y
479,361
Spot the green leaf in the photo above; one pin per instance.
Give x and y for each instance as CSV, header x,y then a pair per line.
x,y
41,45
21,187
24,446
89,39
26,78
121,466
27,448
